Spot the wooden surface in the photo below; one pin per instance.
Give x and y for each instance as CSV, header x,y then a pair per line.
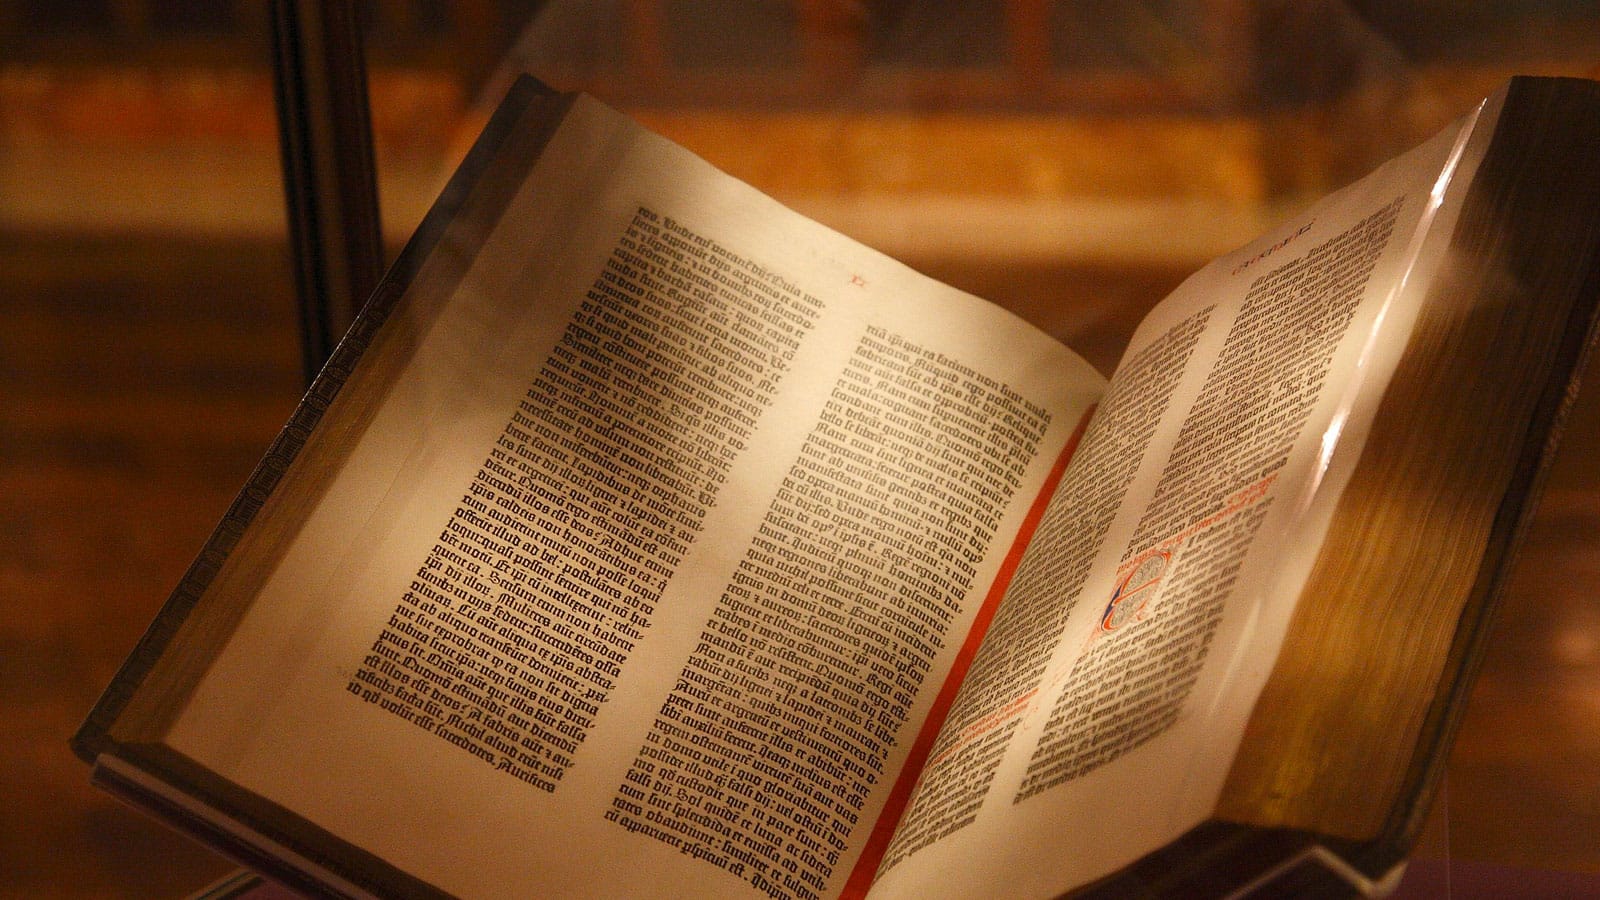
x,y
140,378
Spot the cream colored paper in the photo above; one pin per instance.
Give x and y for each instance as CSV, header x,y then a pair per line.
x,y
274,715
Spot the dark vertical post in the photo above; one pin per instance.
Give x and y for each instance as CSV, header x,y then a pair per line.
x,y
329,171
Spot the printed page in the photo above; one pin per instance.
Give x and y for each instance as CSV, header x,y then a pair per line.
x,y
1101,715
657,551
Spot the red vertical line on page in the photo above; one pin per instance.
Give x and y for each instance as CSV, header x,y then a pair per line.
x,y
883,829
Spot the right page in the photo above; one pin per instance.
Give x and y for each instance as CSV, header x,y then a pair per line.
x,y
1100,718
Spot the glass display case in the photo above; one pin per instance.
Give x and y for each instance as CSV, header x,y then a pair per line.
x,y
1072,161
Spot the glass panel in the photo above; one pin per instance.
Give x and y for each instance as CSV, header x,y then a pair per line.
x,y
197,16
1075,160
53,15
731,34
1070,160
945,34
1104,34
579,40
1493,30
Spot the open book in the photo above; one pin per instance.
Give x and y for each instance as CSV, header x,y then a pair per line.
x,y
644,537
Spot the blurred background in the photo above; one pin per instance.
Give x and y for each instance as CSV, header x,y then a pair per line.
x,y
1069,160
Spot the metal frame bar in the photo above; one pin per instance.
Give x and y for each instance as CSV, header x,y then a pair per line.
x,y
329,168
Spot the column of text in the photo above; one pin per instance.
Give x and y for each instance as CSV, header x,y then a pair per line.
x,y
762,757
1005,675
516,626
1145,657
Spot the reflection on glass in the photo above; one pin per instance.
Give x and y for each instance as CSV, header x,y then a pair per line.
x,y
948,34
1073,160
731,34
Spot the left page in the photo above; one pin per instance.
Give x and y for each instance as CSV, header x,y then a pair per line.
x,y
655,554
